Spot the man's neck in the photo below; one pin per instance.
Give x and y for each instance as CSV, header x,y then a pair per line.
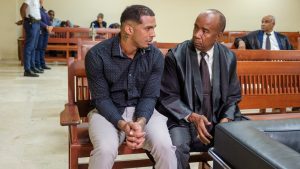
x,y
270,31
127,47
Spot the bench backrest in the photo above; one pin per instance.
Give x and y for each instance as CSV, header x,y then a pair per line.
x,y
83,47
298,43
267,84
267,55
236,34
71,35
78,92
293,38
264,84
164,47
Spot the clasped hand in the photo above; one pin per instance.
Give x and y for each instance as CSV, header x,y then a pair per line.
x,y
135,135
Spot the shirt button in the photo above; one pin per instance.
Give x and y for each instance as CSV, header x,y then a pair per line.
x,y
130,75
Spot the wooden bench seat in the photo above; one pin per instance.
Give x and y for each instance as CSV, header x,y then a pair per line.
x,y
74,116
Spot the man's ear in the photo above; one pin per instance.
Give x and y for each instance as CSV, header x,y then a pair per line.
x,y
128,29
220,36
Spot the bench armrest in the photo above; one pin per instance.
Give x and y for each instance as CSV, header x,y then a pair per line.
x,y
70,115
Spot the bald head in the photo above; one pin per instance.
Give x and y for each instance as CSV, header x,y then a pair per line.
x,y
268,23
221,20
208,28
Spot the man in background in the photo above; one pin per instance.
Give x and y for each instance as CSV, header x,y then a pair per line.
x,y
99,23
266,38
30,13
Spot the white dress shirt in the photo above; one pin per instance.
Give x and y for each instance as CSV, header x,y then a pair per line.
x,y
273,40
33,9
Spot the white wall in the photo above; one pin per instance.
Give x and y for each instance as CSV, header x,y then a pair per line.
x,y
174,18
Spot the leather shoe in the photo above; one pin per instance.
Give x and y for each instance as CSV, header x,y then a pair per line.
x,y
40,69
35,70
29,73
46,67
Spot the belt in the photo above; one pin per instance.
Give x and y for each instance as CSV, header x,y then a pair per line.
x,y
32,20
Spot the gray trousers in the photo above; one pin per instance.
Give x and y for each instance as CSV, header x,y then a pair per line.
x,y
106,139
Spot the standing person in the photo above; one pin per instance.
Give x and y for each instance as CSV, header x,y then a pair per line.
x,y
199,87
266,38
30,13
99,23
46,28
124,75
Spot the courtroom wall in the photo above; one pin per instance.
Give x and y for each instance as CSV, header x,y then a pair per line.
x,y
175,18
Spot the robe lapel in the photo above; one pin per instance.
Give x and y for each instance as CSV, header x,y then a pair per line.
x,y
216,94
196,74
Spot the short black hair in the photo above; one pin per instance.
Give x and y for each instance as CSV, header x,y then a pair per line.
x,y
100,15
222,19
134,13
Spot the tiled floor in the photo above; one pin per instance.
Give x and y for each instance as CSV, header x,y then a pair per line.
x,y
31,137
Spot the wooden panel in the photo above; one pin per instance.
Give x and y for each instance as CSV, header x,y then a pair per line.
x,y
269,84
267,55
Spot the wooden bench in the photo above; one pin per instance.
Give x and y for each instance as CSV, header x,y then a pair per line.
x,y
269,84
264,84
65,39
74,116
261,88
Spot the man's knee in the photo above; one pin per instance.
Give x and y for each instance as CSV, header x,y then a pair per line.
x,y
107,151
163,148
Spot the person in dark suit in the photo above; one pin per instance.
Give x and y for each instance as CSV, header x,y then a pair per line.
x,y
199,87
266,38
99,23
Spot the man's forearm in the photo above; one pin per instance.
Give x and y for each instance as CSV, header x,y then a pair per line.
x,y
23,10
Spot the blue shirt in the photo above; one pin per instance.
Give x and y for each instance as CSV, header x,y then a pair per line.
x,y
56,22
45,20
116,81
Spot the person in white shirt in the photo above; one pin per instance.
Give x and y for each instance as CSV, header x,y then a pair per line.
x,y
266,38
30,13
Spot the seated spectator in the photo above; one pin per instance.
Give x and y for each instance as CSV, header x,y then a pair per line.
x,y
54,21
66,23
99,23
266,38
57,22
115,26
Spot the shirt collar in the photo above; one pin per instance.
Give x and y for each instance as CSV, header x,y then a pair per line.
x,y
209,53
117,50
271,33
